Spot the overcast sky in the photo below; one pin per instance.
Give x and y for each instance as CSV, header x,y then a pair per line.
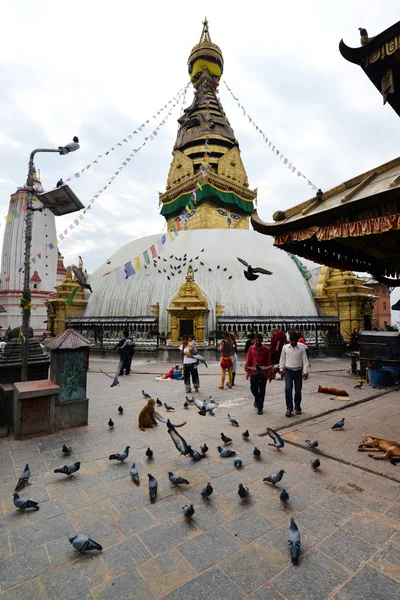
x,y
98,70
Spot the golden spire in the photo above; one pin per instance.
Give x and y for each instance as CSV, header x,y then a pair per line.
x,y
205,34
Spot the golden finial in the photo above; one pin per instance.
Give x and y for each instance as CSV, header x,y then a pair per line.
x,y
205,34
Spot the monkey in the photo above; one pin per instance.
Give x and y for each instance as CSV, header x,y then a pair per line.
x,y
146,415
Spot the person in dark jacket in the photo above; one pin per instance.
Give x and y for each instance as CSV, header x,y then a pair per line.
x,y
126,349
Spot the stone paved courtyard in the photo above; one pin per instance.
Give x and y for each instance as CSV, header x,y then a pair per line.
x,y
349,517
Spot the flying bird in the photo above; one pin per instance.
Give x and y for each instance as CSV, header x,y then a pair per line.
x,y
71,147
217,266
207,492
81,279
59,183
111,424
274,478
284,498
82,543
22,503
134,473
69,469
153,486
149,453
278,440
233,421
188,511
121,456
243,493
230,277
66,450
251,273
24,479
315,463
294,541
177,480
339,424
202,264
180,442
225,269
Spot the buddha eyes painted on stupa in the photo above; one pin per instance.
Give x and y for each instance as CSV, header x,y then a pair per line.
x,y
224,213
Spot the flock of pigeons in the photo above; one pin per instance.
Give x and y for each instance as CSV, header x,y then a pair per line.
x,y
83,543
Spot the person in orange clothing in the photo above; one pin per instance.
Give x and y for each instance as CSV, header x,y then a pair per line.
x,y
277,342
258,361
227,350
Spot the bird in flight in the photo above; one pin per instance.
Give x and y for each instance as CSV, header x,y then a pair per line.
x,y
251,273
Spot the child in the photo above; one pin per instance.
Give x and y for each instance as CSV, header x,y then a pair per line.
x,y
174,373
194,351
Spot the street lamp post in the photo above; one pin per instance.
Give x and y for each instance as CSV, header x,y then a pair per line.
x,y
28,243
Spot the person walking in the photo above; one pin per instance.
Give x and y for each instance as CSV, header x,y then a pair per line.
x,y
189,367
126,349
250,341
258,360
277,342
227,350
293,366
234,358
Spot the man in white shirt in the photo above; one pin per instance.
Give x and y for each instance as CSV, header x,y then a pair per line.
x,y
189,367
293,366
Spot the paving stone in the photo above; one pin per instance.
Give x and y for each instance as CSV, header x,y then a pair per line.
x,y
114,471
394,511
249,526
207,549
95,513
265,592
219,467
125,555
128,501
84,596
128,586
40,532
279,539
374,529
23,566
135,521
31,590
340,506
253,565
4,547
169,507
167,535
317,576
319,521
208,515
75,578
367,583
387,560
166,572
211,584
109,489
347,549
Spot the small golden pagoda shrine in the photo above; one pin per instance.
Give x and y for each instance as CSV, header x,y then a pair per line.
x,y
188,310
64,303
206,165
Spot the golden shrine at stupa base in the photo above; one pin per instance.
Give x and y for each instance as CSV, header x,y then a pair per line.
x,y
58,309
191,305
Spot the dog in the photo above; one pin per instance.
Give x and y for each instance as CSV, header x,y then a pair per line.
x,y
332,391
391,449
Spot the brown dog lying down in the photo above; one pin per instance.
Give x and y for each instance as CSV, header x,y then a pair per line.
x,y
391,449
332,391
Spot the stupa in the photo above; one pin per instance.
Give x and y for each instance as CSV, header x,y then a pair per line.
x,y
197,276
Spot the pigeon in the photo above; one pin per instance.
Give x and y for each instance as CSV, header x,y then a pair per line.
x,y
24,479
358,386
180,442
278,441
243,493
134,473
274,478
66,450
69,469
158,402
120,410
225,269
315,463
202,250
149,454
237,461
176,479
230,277
283,497
256,453
121,456
339,424
363,32
145,394
59,183
250,273
188,511
153,485
111,424
80,278
23,503
246,435
204,449
233,421
189,400
210,270
206,492
168,407
225,453
169,278
186,404
202,264
194,454
312,444
71,147
226,439
217,266
212,400
294,541
82,543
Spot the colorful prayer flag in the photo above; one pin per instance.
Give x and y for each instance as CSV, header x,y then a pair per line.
x,y
70,298
129,270
146,257
137,263
153,251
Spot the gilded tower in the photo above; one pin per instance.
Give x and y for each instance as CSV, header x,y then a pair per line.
x,y
206,163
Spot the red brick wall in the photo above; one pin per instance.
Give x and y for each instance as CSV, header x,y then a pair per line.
x,y
382,314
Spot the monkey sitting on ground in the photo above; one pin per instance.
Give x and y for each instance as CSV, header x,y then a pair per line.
x,y
146,417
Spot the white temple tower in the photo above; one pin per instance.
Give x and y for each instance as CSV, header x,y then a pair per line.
x,y
43,262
